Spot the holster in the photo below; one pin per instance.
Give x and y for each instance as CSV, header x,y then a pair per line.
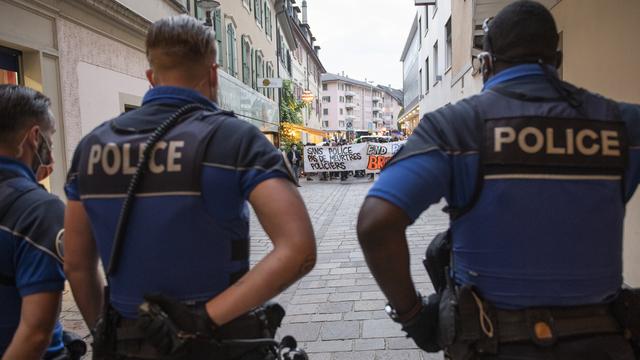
x,y
461,334
438,259
626,309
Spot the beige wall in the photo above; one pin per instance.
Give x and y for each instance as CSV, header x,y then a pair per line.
x,y
602,54
235,12
83,46
151,9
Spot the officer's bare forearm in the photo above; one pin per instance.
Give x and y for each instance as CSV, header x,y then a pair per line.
x,y
283,216
277,271
81,262
381,232
38,317
27,345
88,290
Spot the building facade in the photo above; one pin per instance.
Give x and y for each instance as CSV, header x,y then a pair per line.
x,y
392,105
354,106
411,80
582,24
300,64
246,41
88,56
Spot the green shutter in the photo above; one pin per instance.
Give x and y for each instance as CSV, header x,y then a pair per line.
x,y
217,21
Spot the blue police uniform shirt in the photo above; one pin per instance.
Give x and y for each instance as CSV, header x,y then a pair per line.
x,y
28,231
578,269
188,236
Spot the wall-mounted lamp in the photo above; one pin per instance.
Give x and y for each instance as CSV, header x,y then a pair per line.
x,y
208,6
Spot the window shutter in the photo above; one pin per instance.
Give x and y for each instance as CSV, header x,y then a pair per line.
x,y
217,19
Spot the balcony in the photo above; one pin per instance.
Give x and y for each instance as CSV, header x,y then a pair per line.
x,y
350,117
377,99
350,94
350,105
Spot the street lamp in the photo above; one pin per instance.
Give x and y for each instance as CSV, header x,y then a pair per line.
x,y
208,6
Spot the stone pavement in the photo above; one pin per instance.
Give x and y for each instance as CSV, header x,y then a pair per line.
x,y
336,312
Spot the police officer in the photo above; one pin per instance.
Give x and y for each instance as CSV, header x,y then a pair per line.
x,y
536,174
31,223
176,246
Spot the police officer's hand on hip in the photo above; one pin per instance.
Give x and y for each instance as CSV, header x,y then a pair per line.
x,y
536,174
178,224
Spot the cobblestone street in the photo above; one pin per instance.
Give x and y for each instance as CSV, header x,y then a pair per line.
x,y
336,312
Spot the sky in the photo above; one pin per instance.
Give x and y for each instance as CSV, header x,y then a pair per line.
x,y
363,38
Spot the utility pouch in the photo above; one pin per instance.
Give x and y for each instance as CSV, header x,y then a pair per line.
x,y
475,326
626,309
447,317
438,259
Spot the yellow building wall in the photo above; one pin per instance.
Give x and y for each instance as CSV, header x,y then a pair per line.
x,y
602,54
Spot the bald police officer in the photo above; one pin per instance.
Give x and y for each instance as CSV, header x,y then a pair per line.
x,y
176,245
536,174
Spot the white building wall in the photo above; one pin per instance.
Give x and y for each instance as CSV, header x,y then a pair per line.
x,y
437,93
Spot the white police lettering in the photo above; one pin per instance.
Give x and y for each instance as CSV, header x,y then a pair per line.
x,y
503,135
119,159
532,140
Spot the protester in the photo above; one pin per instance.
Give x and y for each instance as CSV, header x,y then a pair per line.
x,y
295,157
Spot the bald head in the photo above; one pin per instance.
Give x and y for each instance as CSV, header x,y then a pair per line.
x,y
180,46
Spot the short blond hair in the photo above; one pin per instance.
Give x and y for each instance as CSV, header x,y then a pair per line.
x,y
180,43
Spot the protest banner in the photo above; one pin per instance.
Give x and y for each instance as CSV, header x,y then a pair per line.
x,y
370,157
335,158
378,154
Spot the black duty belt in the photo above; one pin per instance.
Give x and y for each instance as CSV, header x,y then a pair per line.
x,y
548,325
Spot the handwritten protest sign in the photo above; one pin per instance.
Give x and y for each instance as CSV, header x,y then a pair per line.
x,y
334,158
367,156
379,154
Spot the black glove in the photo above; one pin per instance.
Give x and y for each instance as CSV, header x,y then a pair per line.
x,y
423,328
169,325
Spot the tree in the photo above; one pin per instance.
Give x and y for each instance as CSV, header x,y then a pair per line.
x,y
290,113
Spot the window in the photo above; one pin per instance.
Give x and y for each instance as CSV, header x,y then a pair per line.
x,y
10,66
325,124
231,50
420,32
325,111
341,123
247,56
324,87
449,47
268,70
326,99
341,111
341,99
217,25
268,26
426,74
426,20
257,11
259,70
436,70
